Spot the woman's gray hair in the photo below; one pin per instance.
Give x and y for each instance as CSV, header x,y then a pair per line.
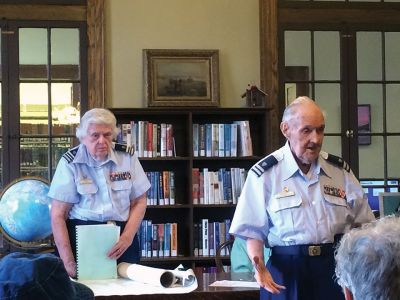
x,y
368,260
98,116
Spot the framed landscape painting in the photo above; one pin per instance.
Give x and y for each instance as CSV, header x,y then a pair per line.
x,y
181,77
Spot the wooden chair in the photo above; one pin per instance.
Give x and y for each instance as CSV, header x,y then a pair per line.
x,y
218,257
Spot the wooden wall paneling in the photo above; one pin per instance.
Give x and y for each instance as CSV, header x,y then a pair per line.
x,y
96,57
269,67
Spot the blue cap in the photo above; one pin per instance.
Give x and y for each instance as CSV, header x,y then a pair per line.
x,y
25,276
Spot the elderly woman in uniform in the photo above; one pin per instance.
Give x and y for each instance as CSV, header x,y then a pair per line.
x,y
97,182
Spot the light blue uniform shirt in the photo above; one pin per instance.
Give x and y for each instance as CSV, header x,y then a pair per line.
x,y
282,206
100,191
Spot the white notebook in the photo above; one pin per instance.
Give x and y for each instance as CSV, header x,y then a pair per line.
x,y
93,242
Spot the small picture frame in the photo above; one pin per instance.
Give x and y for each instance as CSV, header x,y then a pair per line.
x,y
181,77
389,204
364,124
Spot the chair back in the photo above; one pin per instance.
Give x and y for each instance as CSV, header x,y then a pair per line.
x,y
227,246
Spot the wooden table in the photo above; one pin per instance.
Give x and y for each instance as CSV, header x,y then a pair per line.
x,y
204,291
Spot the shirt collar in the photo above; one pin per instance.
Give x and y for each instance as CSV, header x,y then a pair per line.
x,y
324,165
293,167
83,156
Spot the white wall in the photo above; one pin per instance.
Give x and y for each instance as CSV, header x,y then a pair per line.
x,y
232,26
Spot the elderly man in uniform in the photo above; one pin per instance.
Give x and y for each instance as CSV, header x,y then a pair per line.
x,y
95,183
298,201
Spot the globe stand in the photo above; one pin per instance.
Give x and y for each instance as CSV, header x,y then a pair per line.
x,y
25,216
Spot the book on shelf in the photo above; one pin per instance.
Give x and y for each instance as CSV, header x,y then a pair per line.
x,y
166,186
142,238
196,239
160,236
170,140
167,239
234,139
149,143
221,140
208,139
174,239
171,187
195,185
201,187
204,236
154,243
227,139
211,240
195,140
202,140
244,139
149,238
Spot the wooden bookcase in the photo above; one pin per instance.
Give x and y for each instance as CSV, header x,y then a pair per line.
x,y
184,212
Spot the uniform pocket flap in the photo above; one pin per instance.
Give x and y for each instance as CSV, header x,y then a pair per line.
x,y
278,204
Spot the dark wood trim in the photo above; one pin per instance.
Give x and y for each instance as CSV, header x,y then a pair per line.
x,y
43,12
350,15
269,66
96,58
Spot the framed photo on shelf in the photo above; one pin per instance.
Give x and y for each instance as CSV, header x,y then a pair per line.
x,y
364,124
181,77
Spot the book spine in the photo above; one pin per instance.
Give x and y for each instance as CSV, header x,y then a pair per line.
x,y
149,146
195,185
154,244
172,188
202,140
195,140
204,225
174,239
160,236
149,239
221,140
167,239
196,239
165,178
208,139
211,245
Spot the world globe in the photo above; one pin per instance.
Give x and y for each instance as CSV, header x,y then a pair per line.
x,y
25,211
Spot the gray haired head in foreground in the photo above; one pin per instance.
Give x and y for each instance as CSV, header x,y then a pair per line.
x,y
368,260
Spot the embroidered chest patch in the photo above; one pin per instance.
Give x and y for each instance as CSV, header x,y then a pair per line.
x,y
118,176
334,191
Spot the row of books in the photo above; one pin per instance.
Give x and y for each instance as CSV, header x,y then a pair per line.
x,y
222,140
158,240
209,235
217,187
148,139
162,190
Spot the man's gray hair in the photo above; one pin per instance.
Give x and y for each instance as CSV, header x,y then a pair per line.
x,y
292,109
368,260
98,116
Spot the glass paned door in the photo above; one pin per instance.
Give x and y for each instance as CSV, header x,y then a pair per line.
x,y
46,70
312,68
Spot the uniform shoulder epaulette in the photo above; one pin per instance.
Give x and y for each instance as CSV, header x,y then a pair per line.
x,y
124,148
336,160
70,154
264,165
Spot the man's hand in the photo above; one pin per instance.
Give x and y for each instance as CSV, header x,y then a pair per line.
x,y
264,278
71,268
